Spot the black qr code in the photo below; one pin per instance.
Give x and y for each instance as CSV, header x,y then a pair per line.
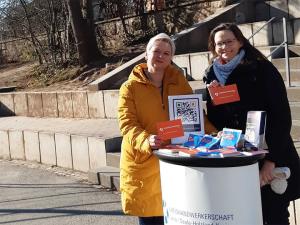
x,y
187,111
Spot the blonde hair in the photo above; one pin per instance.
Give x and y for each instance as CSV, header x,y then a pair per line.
x,y
161,37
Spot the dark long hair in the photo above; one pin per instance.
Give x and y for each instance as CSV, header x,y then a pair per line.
x,y
251,52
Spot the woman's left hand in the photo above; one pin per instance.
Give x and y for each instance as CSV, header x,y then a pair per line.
x,y
265,173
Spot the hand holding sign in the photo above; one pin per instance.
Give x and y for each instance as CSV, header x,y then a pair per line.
x,y
224,94
170,129
155,141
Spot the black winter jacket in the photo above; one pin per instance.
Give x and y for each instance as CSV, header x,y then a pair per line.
x,y
261,87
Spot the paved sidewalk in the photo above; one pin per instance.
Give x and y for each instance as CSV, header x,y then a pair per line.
x,y
36,194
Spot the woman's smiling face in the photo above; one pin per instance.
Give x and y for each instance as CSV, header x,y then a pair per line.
x,y
159,56
226,45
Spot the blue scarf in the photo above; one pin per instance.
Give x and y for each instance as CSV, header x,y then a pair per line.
x,y
222,71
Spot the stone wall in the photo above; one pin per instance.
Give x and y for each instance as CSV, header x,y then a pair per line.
x,y
66,104
17,50
177,19
174,20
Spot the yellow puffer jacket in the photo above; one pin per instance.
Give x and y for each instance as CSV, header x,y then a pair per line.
x,y
140,107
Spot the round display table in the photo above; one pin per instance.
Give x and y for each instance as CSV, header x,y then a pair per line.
x,y
210,191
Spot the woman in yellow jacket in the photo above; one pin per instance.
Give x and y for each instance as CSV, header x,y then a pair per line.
x,y
143,101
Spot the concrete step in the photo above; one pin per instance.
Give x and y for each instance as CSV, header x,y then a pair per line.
x,y
116,77
62,104
113,159
295,132
295,110
79,144
294,49
197,84
294,76
280,63
297,145
294,68
198,88
106,176
294,93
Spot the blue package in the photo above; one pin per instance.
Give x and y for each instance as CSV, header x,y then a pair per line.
x,y
193,141
230,137
205,141
209,142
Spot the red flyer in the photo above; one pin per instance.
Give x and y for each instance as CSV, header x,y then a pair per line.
x,y
170,129
224,94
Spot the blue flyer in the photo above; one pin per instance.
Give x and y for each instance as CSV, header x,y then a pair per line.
x,y
230,137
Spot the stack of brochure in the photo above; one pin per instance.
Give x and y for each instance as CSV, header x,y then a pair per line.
x,y
216,153
213,147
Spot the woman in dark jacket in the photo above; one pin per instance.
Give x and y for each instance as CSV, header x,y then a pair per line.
x,y
261,88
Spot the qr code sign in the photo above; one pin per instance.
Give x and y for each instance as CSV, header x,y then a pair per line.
x,y
187,111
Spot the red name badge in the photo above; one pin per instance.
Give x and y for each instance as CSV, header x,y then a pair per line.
x,y
170,129
224,94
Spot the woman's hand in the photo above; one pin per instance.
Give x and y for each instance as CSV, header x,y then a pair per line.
x,y
219,135
265,173
214,83
155,141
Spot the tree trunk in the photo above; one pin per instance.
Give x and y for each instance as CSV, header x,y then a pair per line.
x,y
84,33
93,46
52,33
67,33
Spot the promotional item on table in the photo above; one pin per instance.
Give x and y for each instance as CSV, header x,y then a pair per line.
x,y
185,130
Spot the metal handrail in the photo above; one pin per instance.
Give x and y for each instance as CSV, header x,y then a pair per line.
x,y
286,48
286,53
278,46
269,21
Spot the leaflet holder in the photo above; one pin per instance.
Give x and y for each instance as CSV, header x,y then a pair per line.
x,y
218,191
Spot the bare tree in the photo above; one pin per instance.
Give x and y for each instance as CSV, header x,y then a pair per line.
x,y
53,15
83,29
34,40
43,23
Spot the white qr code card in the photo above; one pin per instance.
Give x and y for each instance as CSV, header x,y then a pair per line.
x,y
189,109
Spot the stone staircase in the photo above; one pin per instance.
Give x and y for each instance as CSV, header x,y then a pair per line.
x,y
67,129
109,175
